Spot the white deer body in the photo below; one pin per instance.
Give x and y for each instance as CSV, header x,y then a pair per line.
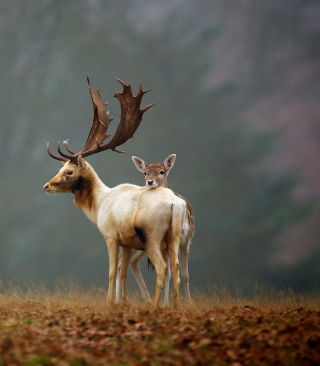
x,y
156,178
129,216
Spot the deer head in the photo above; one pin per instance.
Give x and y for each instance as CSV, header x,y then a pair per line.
x,y
67,179
155,173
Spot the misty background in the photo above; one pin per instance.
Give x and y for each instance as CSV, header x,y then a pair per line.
x,y
237,86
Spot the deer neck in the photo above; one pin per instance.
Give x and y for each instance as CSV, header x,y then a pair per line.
x,y
88,192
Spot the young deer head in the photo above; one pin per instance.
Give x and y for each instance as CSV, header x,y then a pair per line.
x,y
155,173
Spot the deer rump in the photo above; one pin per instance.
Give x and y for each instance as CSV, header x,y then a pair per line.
x,y
138,216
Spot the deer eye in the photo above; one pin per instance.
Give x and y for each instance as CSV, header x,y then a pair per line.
x,y
161,172
145,173
69,172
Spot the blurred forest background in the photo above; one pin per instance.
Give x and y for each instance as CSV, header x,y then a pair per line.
x,y
237,86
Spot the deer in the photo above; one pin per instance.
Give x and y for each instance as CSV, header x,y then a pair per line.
x,y
127,215
156,176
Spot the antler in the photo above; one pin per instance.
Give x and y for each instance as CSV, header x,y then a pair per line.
x,y
130,119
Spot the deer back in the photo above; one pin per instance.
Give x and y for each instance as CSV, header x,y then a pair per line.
x,y
132,212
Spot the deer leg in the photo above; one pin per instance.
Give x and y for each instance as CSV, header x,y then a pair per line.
x,y
113,248
173,250
136,255
118,279
125,258
161,267
167,279
184,255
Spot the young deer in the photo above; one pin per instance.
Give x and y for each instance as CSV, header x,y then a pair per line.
x,y
156,176
133,217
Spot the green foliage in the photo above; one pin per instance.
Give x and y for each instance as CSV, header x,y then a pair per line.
x,y
39,360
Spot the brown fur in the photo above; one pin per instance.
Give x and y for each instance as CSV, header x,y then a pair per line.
x,y
83,193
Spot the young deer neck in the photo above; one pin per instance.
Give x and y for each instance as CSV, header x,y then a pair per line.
x,y
165,184
88,191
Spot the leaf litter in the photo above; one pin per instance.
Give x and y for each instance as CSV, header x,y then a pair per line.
x,y
58,329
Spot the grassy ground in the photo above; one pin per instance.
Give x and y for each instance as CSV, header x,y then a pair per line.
x,y
73,327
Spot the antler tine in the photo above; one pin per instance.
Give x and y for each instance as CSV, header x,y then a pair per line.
x,y
68,157
55,157
66,146
142,93
123,83
147,107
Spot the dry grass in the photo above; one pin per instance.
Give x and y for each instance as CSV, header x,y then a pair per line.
x,y
67,294
70,326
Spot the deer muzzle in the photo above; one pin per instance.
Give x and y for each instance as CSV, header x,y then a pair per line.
x,y
48,188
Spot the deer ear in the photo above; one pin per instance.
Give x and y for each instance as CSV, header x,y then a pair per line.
x,y
81,162
169,162
139,163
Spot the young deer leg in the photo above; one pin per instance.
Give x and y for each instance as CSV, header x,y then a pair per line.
x,y
118,279
134,262
167,279
184,255
173,250
113,248
160,266
125,258
135,257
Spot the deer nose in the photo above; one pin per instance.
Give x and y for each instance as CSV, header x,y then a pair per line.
x,y
150,182
46,186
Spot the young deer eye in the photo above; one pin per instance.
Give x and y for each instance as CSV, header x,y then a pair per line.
x,y
69,172
145,173
161,172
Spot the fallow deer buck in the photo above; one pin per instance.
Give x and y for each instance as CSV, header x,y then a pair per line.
x,y
127,215
156,176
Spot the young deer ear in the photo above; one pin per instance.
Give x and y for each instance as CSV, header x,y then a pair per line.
x,y
139,163
169,162
81,162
